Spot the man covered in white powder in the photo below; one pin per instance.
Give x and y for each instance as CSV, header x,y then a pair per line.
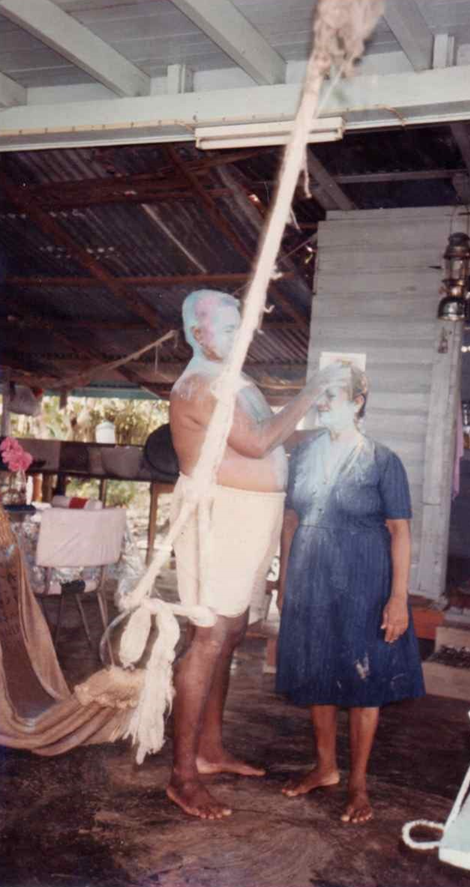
x,y
246,523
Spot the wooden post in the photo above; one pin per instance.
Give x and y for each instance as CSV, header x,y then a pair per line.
x,y
156,489
47,485
152,526
103,490
5,426
439,459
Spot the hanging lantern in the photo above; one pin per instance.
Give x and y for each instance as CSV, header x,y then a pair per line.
x,y
454,305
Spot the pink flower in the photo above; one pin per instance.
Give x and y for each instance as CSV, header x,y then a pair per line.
x,y
14,456
8,444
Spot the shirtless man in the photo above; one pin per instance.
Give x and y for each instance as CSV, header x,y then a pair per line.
x,y
246,527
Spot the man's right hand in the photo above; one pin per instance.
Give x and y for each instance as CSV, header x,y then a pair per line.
x,y
336,375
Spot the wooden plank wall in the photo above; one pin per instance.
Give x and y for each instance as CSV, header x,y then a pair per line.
x,y
377,291
459,537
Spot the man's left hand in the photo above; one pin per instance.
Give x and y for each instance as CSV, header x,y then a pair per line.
x,y
395,619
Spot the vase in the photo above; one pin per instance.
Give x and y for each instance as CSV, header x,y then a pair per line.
x,y
12,488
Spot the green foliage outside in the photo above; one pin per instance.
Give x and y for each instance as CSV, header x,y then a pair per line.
x,y
133,420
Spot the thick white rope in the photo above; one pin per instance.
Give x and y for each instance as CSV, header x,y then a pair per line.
x,y
339,32
431,845
421,845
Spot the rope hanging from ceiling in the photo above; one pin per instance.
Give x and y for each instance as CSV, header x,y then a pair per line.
x,y
339,31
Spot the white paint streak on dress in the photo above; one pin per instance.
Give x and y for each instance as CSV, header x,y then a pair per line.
x,y
363,668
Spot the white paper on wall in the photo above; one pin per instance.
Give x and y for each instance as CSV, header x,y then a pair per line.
x,y
327,357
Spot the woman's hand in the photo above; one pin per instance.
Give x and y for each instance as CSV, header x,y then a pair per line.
x,y
395,615
395,619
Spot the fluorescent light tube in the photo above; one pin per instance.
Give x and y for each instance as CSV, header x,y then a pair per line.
x,y
246,135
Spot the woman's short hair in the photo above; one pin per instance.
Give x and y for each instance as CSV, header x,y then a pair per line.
x,y
199,306
359,387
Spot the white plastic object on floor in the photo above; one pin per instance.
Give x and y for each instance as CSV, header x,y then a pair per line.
x,y
454,846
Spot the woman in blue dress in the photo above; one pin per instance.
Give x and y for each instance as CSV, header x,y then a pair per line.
x,y
346,639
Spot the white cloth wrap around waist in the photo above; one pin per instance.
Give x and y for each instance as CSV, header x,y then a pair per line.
x,y
245,531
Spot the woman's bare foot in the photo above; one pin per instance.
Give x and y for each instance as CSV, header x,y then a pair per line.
x,y
192,796
316,778
224,762
359,808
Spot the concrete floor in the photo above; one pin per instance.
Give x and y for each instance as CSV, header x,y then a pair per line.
x,y
93,817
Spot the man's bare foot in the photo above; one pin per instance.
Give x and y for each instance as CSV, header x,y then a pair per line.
x,y
226,763
314,779
194,799
359,808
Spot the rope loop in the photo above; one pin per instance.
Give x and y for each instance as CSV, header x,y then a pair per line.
x,y
421,845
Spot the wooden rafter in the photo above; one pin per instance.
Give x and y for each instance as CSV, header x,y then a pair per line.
x,y
50,227
160,185
29,365
149,188
401,176
324,188
461,178
461,134
230,30
254,213
63,323
224,226
72,40
82,351
149,280
171,370
410,29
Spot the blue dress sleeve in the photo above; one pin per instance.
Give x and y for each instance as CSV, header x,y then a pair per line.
x,y
394,489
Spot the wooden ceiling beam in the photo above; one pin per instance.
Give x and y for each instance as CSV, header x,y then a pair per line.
x,y
233,33
28,364
288,372
149,280
232,236
75,195
254,214
80,46
461,178
11,92
49,226
324,188
403,176
63,324
120,188
87,352
461,134
409,27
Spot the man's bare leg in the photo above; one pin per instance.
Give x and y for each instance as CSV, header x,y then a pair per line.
x,y
212,756
193,683
362,726
326,770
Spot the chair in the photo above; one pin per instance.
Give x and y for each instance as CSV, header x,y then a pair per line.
x,y
80,539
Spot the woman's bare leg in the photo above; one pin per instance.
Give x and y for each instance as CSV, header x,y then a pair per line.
x,y
325,771
362,727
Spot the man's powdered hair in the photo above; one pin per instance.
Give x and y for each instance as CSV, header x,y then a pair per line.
x,y
200,306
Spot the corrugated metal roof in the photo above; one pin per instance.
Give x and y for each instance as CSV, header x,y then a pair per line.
x,y
156,252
